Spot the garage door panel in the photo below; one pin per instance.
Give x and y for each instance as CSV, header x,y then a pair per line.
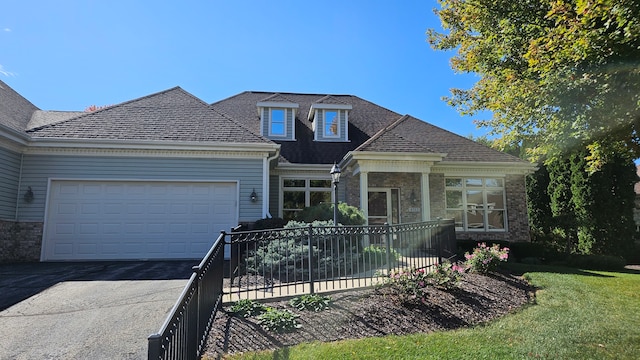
x,y
136,220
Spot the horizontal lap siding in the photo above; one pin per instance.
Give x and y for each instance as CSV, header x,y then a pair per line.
x,y
9,179
37,169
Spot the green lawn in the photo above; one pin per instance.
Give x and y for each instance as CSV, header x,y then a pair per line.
x,y
577,315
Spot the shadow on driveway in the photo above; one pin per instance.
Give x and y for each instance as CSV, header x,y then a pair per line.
x,y
20,281
97,310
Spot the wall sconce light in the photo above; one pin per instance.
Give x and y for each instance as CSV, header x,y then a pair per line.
x,y
28,195
413,197
253,196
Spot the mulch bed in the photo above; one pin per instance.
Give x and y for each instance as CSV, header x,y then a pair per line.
x,y
360,313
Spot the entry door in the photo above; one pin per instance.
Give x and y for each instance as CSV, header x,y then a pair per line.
x,y
384,206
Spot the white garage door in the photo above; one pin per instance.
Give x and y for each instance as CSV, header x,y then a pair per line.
x,y
98,220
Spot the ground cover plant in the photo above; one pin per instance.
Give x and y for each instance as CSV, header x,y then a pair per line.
x,y
577,314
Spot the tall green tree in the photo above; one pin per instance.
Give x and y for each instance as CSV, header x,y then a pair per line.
x,y
560,74
561,204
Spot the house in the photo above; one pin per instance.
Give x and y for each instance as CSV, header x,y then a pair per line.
x,y
160,176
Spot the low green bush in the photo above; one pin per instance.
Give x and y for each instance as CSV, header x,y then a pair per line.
x,y
247,308
596,262
377,255
278,320
310,302
347,214
485,258
269,223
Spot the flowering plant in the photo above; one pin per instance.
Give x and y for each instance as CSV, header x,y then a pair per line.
x,y
446,275
485,258
408,284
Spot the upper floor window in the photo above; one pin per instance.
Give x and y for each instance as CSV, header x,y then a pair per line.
x,y
331,123
476,204
277,118
277,124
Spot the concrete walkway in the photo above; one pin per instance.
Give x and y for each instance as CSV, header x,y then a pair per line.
x,y
102,310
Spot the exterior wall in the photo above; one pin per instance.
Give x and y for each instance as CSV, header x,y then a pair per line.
x,y
9,179
436,195
289,123
320,122
517,218
38,169
407,183
274,195
20,241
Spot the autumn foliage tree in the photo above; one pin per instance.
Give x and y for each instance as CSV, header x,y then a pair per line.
x,y
561,79
559,74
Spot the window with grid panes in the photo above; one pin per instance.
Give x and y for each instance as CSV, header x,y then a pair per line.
x,y
476,204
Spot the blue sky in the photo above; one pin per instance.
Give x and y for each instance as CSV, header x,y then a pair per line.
x,y
67,55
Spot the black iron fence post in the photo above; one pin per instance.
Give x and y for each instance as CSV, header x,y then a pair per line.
x,y
310,237
439,239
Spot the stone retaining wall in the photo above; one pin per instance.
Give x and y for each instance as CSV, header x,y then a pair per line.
x,y
20,241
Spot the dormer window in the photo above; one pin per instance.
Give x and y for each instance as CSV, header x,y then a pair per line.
x,y
330,121
277,126
331,124
277,118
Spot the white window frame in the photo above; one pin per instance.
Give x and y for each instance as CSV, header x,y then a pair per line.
x,y
307,189
484,189
326,134
284,122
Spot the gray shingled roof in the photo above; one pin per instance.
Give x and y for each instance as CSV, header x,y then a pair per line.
x,y
173,115
409,134
41,118
365,120
15,111
371,128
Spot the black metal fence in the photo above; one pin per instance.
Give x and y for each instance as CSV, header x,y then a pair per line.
x,y
283,262
183,334
287,262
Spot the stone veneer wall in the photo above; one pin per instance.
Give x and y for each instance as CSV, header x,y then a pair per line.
x,y
517,218
20,241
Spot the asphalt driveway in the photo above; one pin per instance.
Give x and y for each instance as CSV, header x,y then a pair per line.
x,y
97,310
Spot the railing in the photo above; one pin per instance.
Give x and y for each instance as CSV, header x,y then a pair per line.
x,y
183,334
283,262
288,262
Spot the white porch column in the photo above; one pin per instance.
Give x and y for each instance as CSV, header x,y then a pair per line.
x,y
364,202
426,201
364,194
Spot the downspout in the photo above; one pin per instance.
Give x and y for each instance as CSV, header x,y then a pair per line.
x,y
265,183
18,190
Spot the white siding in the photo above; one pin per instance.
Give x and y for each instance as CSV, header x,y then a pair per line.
x,y
9,179
38,169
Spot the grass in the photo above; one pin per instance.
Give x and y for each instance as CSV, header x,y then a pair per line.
x,y
577,315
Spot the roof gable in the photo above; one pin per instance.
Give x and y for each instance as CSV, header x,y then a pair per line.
x,y
409,134
365,120
171,115
15,110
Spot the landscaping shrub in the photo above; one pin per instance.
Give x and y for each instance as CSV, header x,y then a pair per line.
x,y
247,308
278,320
287,259
596,262
446,275
407,284
347,214
310,302
410,284
269,223
484,259
373,256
